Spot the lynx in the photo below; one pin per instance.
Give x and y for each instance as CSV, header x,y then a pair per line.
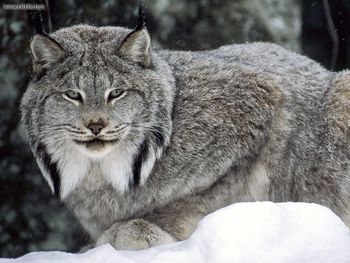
x,y
141,144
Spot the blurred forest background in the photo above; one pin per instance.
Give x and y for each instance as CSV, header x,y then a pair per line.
x,y
31,218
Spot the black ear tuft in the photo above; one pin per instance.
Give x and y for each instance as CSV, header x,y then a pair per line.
x,y
36,19
141,18
136,47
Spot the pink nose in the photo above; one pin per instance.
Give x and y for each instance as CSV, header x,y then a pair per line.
x,y
96,127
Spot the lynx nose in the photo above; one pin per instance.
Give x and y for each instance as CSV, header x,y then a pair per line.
x,y
96,127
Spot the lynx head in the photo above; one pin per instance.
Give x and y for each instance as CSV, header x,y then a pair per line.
x,y
100,98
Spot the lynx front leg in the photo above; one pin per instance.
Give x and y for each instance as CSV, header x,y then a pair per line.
x,y
135,234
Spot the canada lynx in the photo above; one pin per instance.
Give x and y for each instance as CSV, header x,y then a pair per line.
x,y
140,145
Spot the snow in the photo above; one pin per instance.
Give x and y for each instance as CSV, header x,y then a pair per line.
x,y
241,233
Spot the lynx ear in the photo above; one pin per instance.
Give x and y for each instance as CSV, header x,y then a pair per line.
x,y
45,51
136,47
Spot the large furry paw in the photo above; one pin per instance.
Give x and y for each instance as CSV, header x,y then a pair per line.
x,y
135,234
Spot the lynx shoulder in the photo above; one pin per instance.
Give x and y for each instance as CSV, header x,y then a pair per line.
x,y
141,144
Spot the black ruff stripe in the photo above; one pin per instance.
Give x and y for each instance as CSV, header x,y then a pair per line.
x,y
50,167
138,160
159,137
37,76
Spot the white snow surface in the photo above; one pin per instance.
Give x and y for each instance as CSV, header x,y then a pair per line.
x,y
240,233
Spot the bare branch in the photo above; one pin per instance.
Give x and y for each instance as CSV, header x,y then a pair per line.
x,y
332,33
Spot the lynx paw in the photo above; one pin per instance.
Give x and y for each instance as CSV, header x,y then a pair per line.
x,y
135,234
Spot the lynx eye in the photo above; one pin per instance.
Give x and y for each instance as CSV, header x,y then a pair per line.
x,y
115,94
73,95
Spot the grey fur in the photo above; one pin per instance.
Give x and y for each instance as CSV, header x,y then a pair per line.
x,y
240,123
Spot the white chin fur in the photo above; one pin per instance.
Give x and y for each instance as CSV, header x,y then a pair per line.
x,y
116,168
114,162
96,154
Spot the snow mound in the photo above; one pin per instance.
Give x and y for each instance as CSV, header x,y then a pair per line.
x,y
241,233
